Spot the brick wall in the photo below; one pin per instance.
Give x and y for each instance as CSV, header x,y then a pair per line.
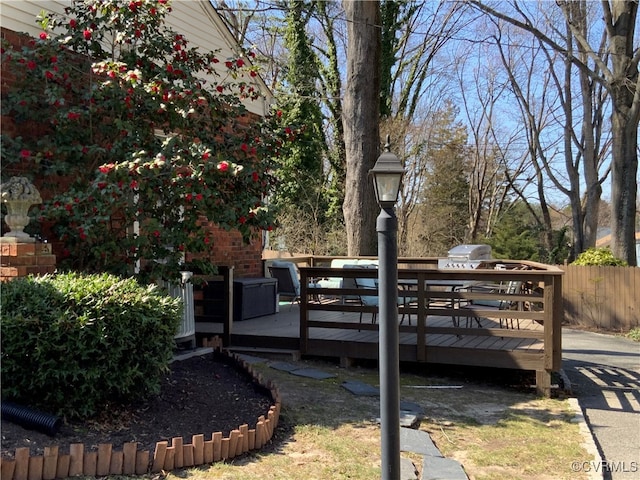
x,y
229,250
229,247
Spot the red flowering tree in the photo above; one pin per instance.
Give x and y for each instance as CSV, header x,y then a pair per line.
x,y
138,138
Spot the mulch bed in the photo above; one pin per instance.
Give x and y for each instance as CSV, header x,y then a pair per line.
x,y
200,395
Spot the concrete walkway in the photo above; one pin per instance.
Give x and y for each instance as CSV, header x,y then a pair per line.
x,y
604,371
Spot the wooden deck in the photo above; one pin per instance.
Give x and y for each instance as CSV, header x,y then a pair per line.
x,y
440,329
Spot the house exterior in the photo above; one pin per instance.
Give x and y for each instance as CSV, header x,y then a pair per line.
x,y
205,29
197,19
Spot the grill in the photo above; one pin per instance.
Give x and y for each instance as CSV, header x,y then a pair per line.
x,y
465,257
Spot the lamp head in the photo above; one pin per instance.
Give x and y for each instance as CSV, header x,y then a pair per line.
x,y
387,177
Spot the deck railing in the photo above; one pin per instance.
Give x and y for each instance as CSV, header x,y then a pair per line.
x,y
436,302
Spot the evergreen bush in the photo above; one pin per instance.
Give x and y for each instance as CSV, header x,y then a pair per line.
x,y
73,344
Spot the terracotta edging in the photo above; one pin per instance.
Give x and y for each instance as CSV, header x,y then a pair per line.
x,y
131,461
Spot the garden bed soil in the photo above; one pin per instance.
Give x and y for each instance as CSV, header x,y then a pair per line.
x,y
200,395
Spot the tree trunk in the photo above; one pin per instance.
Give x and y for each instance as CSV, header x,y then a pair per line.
x,y
624,124
360,118
624,170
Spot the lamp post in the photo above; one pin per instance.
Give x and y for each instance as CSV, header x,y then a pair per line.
x,y
387,176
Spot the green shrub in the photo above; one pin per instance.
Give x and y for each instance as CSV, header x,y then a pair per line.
x,y
73,344
634,334
599,257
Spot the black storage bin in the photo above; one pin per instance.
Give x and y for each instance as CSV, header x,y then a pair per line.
x,y
253,297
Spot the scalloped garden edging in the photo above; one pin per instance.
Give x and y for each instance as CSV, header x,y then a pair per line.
x,y
131,461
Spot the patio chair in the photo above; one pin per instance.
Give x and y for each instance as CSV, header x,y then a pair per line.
x,y
508,288
286,274
368,300
374,300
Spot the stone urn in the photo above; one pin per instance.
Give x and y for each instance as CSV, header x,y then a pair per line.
x,y
18,194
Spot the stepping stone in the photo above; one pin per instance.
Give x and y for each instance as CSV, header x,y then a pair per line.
x,y
411,407
312,373
284,366
250,359
408,470
417,441
360,388
439,468
408,419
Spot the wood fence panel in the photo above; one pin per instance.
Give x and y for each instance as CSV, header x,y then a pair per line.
x,y
602,297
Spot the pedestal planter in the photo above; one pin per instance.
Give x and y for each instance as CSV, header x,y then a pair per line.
x,y
18,195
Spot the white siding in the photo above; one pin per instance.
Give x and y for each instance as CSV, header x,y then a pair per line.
x,y
196,19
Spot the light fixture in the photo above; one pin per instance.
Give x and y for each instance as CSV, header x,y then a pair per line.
x,y
387,177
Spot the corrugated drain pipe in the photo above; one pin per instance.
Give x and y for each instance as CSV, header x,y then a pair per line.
x,y
30,418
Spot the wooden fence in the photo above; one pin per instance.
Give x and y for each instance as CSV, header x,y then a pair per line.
x,y
607,298
81,461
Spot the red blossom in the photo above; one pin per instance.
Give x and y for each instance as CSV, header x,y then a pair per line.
x,y
223,166
102,185
253,73
255,177
133,185
49,75
31,65
25,153
220,88
106,168
242,220
229,64
73,115
244,147
240,62
279,113
206,155
188,197
54,59
73,23
87,34
156,233
199,197
43,35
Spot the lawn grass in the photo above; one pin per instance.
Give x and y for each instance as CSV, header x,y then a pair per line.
x,y
495,431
